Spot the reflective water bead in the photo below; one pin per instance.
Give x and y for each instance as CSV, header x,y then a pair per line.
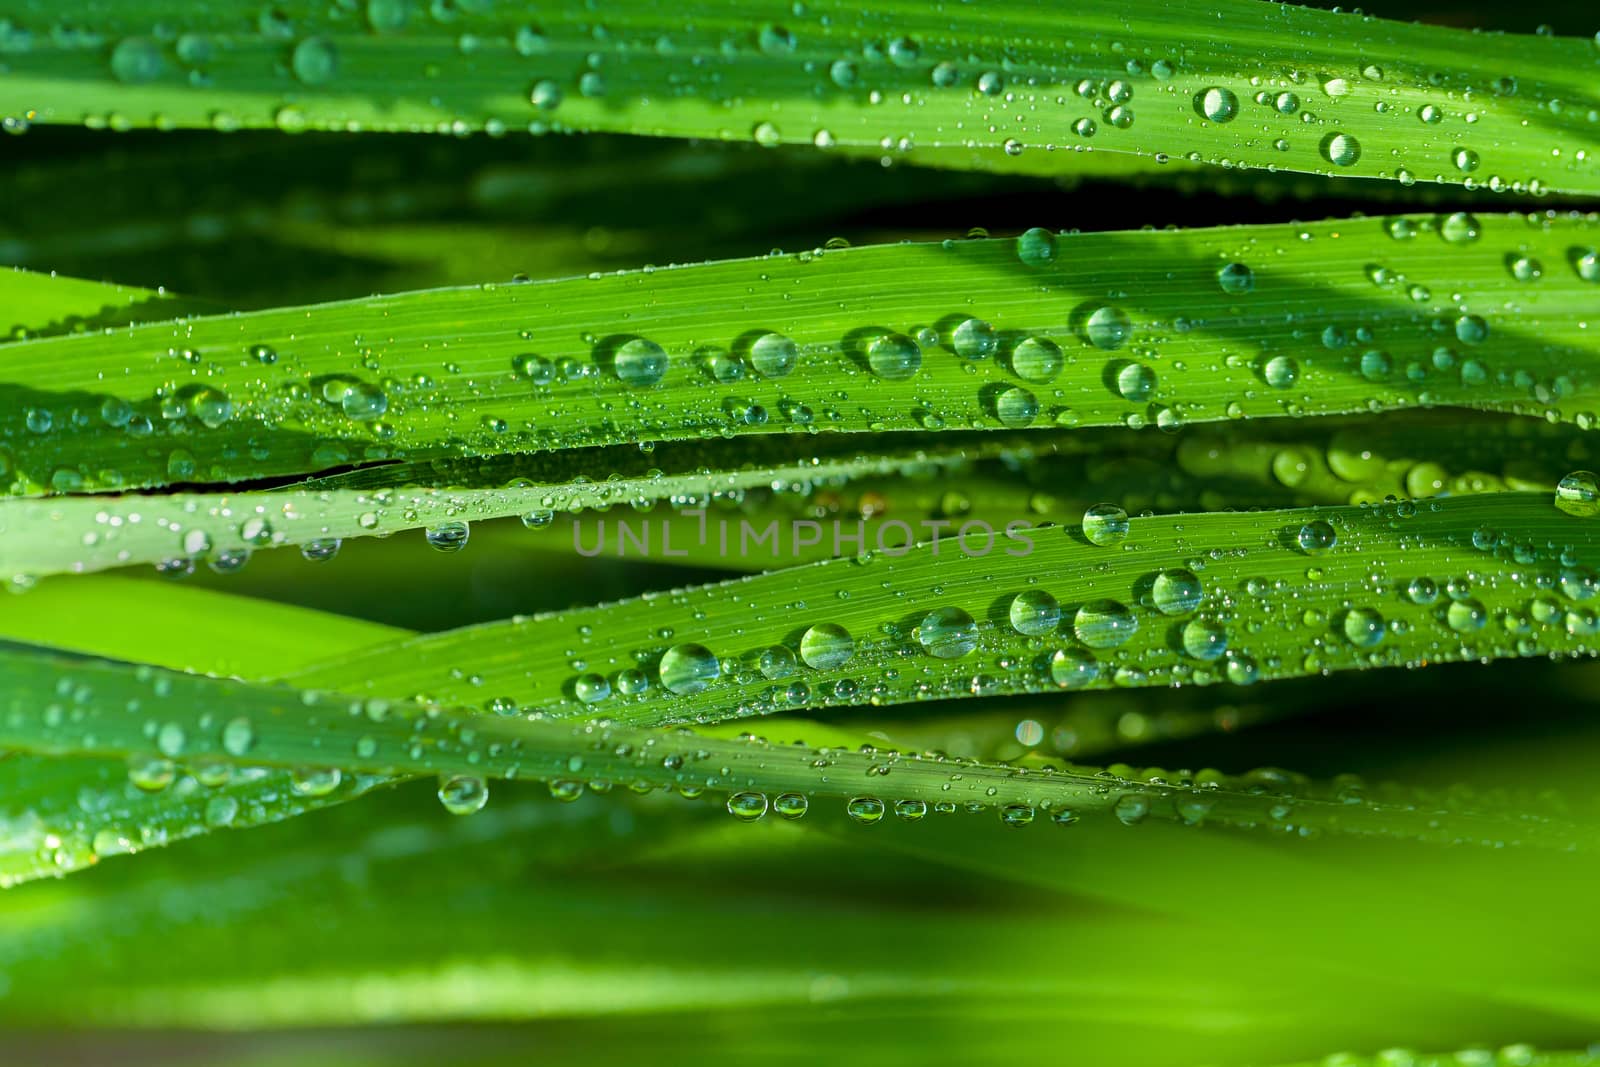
x,y
747,806
1236,278
1105,524
688,669
463,794
866,810
1016,407
1107,327
1037,359
1363,627
790,805
947,633
1071,669
1204,640
1218,104
1034,612
1579,494
974,339
773,355
894,357
639,363
1104,623
1466,615
1036,247
1176,592
826,646
1316,537
448,536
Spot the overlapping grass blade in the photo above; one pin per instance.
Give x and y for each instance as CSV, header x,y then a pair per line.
x,y
1130,329
1231,82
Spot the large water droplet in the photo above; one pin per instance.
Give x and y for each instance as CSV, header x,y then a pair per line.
x,y
1105,524
688,668
826,645
894,357
315,61
947,633
1037,359
1579,494
1036,247
1107,327
1034,612
773,355
1217,104
463,794
1104,624
1071,669
639,363
1340,149
1176,592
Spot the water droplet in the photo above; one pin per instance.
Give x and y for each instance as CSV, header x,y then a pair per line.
x,y
1363,627
1465,159
238,737
1034,612
221,811
1217,104
315,781
773,355
866,810
136,60
463,794
1176,592
1466,615
947,633
387,15
1104,624
639,363
449,536
1107,327
1135,382
826,645
364,402
1236,278
1204,640
775,40
211,407
1016,407
1071,669
1037,247
591,688
1281,372
1422,590
545,95
1340,149
894,357
1579,494
315,61
747,806
1316,537
1105,524
1131,808
790,805
320,549
1376,366
1036,359
1459,228
151,774
974,339
1016,816
688,668
1471,329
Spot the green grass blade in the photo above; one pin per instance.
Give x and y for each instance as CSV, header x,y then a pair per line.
x,y
1230,82
1086,330
1502,575
56,706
